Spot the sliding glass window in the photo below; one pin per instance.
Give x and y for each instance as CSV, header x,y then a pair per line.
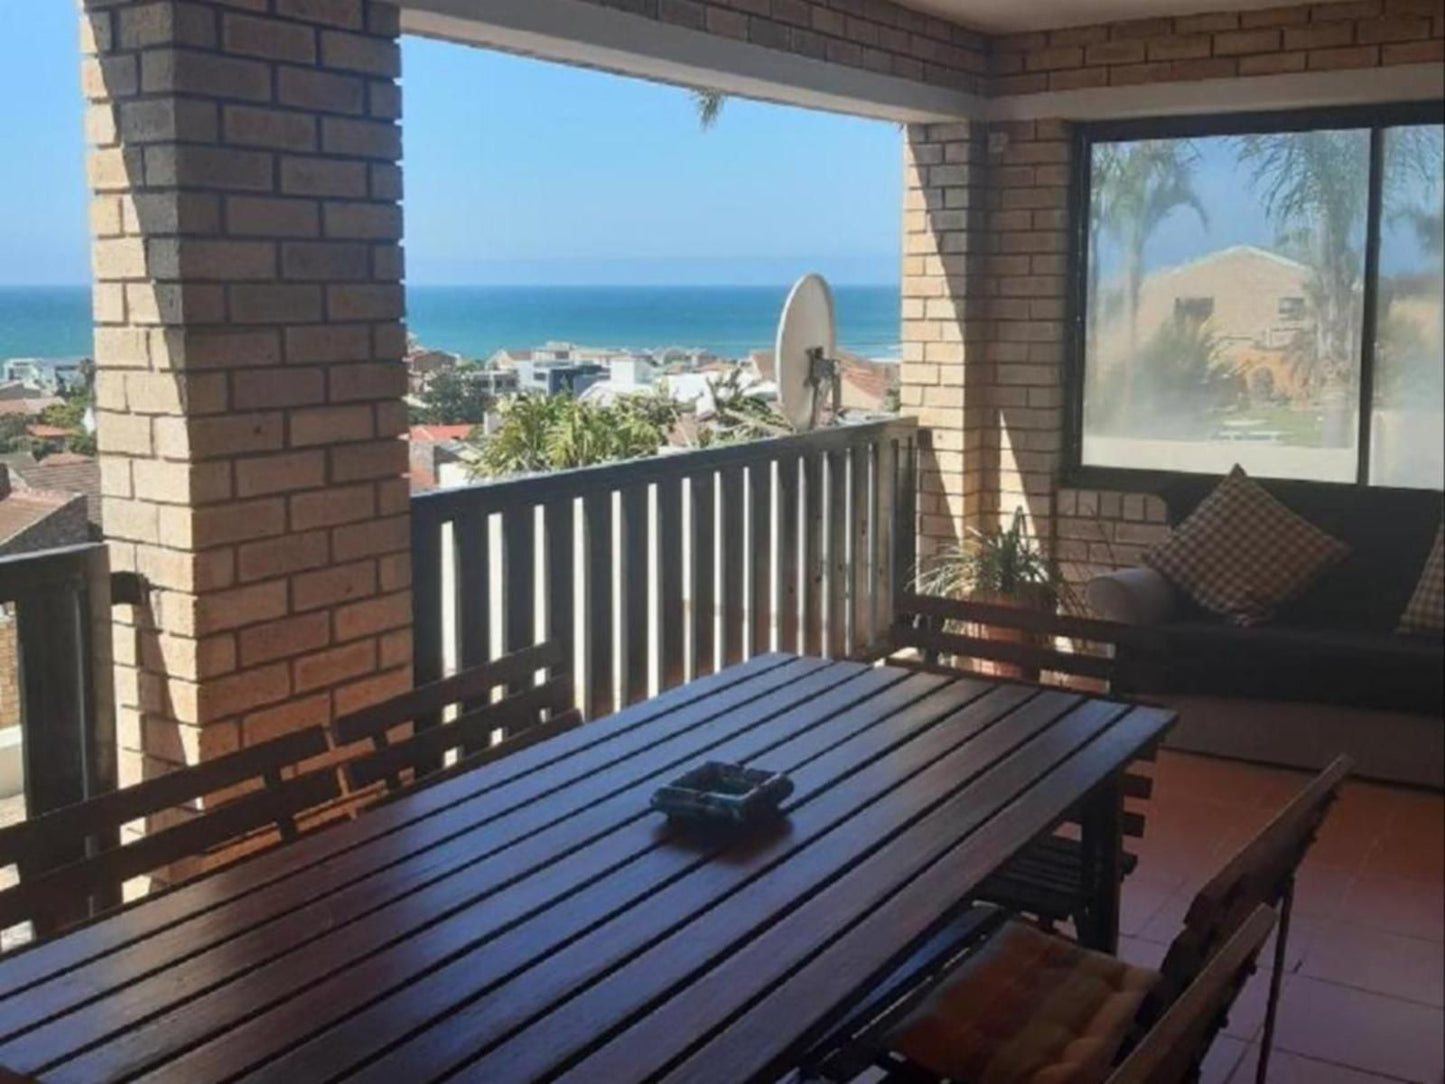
x,y
1263,291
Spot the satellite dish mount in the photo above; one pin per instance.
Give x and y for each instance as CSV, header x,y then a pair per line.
x,y
824,373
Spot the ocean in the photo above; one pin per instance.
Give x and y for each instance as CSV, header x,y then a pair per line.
x,y
475,321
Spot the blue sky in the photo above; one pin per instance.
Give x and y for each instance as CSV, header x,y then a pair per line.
x,y
520,172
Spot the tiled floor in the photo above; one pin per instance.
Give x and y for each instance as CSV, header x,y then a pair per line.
x,y
1363,998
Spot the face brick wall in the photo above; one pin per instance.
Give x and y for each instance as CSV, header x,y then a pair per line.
x,y
248,340
874,35
1223,45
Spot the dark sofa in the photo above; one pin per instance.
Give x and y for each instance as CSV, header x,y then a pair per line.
x,y
1329,674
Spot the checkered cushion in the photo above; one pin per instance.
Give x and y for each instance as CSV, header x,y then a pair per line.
x,y
1426,611
1242,553
1026,1008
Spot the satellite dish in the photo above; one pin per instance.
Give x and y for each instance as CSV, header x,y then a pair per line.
x,y
804,353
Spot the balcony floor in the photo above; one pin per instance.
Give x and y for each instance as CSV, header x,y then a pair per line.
x,y
1363,999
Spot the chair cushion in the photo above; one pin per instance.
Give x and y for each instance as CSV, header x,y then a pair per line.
x,y
1026,1008
1425,613
1242,553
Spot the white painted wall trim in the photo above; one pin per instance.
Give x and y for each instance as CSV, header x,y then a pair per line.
x,y
588,34
1294,90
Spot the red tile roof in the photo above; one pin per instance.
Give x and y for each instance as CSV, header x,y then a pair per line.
x,y
434,434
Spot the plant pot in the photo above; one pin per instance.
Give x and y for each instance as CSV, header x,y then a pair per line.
x,y
1038,598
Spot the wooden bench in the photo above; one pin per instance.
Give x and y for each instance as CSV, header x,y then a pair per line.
x,y
71,861
409,740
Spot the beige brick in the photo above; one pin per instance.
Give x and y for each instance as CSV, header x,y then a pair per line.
x,y
1392,28
371,538
372,616
135,520
282,556
181,483
170,303
105,216
1360,56
206,438
328,425
259,389
114,169
275,304
243,691
328,343
108,77
384,302
326,261
187,72
385,180
241,606
364,221
355,52
323,177
193,166
279,129
268,38
384,99
325,92
346,14
221,261
336,665
1319,35
122,347
157,213
354,462
167,119
144,25
280,473
225,524
329,586
362,694
1415,52
295,715
361,138
120,258
123,433
265,217
100,124
329,507
1181,47
283,639
222,348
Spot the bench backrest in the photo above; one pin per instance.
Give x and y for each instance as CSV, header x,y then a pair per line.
x,y
71,861
409,743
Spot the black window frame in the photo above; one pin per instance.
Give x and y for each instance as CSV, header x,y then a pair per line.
x,y
1376,119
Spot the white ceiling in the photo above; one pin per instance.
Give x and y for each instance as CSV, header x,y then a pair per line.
x,y
1009,16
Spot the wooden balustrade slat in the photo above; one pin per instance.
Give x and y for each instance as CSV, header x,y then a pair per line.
x,y
731,545
635,645
559,578
703,496
760,556
813,569
788,593
905,517
860,517
519,577
426,604
885,493
837,623
472,560
670,631
598,696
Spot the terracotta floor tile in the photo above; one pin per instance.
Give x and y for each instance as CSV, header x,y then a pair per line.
x,y
1141,953
1287,1068
1141,898
1407,854
1223,1056
1362,1030
1385,963
1414,908
1320,889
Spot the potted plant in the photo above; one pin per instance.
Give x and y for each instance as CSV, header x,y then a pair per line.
x,y
1003,567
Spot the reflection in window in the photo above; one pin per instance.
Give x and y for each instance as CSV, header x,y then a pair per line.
x,y
1224,303
1409,386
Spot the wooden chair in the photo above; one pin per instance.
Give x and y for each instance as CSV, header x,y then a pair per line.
x,y
1173,1049
1026,985
1048,880
409,741
72,864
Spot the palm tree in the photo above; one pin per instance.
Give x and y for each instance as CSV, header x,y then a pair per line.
x,y
709,105
1137,186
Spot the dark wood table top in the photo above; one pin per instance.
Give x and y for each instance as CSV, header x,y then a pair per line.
x,y
532,920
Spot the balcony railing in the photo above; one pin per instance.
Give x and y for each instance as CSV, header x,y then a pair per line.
x,y
655,571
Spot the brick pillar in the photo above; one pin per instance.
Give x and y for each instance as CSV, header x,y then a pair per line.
x,y
248,309
944,370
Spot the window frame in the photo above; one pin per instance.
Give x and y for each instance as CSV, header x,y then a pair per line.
x,y
1375,119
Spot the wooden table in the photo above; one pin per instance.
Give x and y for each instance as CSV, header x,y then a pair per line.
x,y
532,920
